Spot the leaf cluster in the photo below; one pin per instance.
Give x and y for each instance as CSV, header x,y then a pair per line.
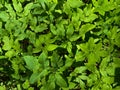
x,y
59,44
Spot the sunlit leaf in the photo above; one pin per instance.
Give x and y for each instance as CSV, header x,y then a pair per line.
x,y
40,28
27,8
4,16
10,53
85,28
76,3
17,6
51,47
7,43
26,84
31,62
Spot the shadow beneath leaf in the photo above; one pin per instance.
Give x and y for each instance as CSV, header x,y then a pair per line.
x,y
117,76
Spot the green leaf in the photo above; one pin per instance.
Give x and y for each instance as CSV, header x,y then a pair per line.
x,y
83,47
40,28
34,78
30,88
106,87
53,29
75,19
74,37
10,53
42,57
117,38
18,87
54,59
79,56
4,16
55,1
2,87
104,62
71,85
0,24
90,18
67,9
21,36
7,43
69,47
60,29
85,28
60,81
83,77
75,4
70,30
38,75
50,84
82,84
31,62
27,8
52,6
51,47
111,70
43,60
80,69
42,2
103,65
68,63
17,6
1,5
10,10
26,84
59,11
91,59
31,35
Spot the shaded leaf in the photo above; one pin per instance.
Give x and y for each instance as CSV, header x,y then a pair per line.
x,y
60,81
38,75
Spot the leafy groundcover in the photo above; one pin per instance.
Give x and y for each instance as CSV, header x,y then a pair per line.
x,y
59,44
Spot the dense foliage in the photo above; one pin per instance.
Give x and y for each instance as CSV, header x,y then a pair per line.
x,y
59,45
